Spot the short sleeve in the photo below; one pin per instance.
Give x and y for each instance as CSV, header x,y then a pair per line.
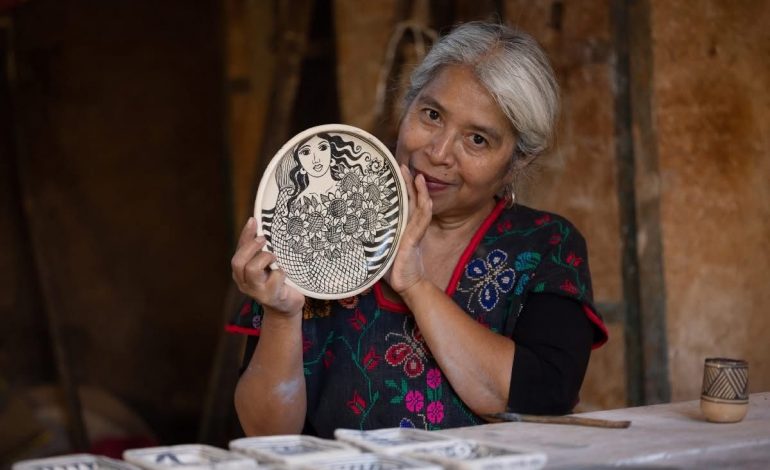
x,y
563,271
247,319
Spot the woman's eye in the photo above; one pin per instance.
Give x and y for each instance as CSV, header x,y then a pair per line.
x,y
478,140
432,114
304,152
323,147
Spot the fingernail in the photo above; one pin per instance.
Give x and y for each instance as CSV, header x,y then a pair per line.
x,y
251,221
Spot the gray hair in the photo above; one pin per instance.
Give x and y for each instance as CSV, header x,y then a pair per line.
x,y
514,69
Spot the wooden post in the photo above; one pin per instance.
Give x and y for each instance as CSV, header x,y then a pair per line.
x,y
643,284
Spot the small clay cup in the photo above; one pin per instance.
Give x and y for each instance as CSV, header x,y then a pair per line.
x,y
725,393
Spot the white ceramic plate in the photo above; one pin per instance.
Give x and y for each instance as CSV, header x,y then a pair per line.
x,y
371,462
188,456
332,205
472,455
74,462
391,440
291,449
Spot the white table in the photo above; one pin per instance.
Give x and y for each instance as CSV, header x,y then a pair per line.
x,y
673,435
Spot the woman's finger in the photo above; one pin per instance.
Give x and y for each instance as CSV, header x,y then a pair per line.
x,y
248,232
243,256
422,211
410,191
257,270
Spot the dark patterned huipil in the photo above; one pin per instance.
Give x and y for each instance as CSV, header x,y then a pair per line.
x,y
366,364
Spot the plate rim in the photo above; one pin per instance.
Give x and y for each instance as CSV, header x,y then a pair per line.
x,y
403,206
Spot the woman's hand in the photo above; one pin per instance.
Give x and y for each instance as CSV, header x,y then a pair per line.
x,y
253,276
408,269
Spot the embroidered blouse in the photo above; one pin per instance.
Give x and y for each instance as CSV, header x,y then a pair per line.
x,y
366,364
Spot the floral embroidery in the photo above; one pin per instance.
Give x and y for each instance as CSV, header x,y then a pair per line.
x,y
371,359
349,302
434,378
414,401
527,261
328,358
401,391
492,277
357,403
402,353
435,409
568,286
574,260
406,423
357,320
435,412
523,281
410,352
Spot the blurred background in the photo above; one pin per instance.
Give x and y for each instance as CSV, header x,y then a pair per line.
x,y
133,135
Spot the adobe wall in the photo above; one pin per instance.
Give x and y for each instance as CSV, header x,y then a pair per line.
x,y
712,118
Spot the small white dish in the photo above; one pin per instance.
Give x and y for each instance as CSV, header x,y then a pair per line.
x,y
391,440
74,462
291,449
370,461
332,205
473,455
188,456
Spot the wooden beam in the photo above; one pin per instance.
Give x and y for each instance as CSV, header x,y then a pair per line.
x,y
639,202
624,155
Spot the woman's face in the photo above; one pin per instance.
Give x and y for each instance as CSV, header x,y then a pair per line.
x,y
456,136
315,156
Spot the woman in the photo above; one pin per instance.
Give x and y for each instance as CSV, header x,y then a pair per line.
x,y
487,305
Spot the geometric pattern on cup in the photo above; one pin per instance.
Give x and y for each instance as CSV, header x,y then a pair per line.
x,y
726,383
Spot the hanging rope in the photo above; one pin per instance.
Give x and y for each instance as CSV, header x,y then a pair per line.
x,y
410,40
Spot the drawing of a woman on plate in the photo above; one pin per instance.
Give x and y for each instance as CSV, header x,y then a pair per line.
x,y
335,209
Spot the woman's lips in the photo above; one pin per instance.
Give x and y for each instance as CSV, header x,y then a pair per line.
x,y
433,184
318,167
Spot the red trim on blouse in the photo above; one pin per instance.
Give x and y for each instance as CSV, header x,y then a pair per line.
x,y
386,303
594,318
459,267
242,330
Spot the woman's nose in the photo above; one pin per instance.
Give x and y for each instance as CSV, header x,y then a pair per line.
x,y
440,150
315,158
